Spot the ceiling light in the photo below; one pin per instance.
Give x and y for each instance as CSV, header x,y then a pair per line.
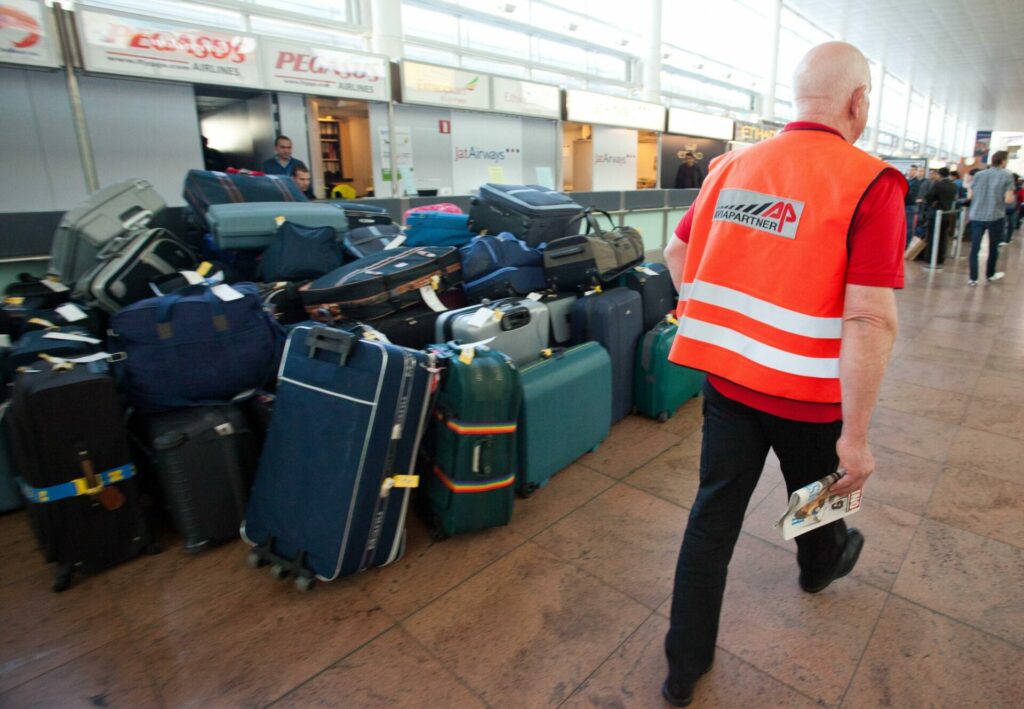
x,y
572,27
509,7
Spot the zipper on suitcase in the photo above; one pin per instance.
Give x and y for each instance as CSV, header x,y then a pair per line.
x,y
387,482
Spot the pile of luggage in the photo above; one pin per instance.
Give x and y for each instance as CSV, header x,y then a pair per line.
x,y
298,369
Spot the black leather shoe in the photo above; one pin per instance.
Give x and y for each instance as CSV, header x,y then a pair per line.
x,y
675,695
847,560
680,696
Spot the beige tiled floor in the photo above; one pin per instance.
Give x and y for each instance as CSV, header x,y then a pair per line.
x,y
568,605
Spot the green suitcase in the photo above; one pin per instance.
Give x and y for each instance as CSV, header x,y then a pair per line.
x,y
661,386
566,411
472,447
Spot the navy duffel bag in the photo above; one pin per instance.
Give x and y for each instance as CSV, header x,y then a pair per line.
x,y
197,346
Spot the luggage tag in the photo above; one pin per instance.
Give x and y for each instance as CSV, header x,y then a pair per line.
x,y
55,286
226,292
110,497
5,341
14,300
193,278
429,296
647,271
72,337
592,291
535,296
70,312
480,318
279,220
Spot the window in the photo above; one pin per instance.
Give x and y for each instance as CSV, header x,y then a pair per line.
x,y
331,10
935,119
730,32
893,104
917,118
273,27
428,24
550,77
494,67
177,11
495,40
692,87
431,55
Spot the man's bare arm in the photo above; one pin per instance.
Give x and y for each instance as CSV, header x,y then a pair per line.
x,y
675,259
869,330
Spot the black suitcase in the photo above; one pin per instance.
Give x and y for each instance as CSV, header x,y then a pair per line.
x,y
654,284
382,283
71,451
26,297
365,241
284,302
204,458
65,342
615,320
412,327
363,215
532,213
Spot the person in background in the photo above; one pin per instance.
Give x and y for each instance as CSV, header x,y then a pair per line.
x,y
940,198
282,163
690,175
304,180
990,192
961,191
1011,212
913,183
923,188
213,159
786,269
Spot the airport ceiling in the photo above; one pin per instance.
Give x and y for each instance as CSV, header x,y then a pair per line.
x,y
969,54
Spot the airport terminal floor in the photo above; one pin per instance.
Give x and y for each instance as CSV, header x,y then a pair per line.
x,y
567,606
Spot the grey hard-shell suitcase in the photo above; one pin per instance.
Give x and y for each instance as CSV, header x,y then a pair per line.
x,y
128,264
559,307
106,214
519,327
252,225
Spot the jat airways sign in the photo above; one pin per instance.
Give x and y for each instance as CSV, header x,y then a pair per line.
x,y
329,72
124,44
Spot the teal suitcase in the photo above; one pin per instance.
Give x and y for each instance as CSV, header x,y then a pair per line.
x,y
471,445
566,411
661,386
252,225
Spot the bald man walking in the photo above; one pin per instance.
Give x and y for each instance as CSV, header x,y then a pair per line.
x,y
786,267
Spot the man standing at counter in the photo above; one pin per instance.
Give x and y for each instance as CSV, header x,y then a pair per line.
x,y
282,163
786,269
690,174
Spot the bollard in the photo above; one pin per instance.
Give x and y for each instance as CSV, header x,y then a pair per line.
x,y
936,235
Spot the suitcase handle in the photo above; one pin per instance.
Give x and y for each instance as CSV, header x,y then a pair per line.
x,y
330,340
515,317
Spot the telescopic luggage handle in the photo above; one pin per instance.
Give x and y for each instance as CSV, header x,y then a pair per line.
x,y
330,340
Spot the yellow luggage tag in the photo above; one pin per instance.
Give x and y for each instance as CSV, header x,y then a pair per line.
x,y
203,269
279,220
406,481
466,355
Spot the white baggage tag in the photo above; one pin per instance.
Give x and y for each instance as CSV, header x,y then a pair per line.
x,y
193,278
535,296
70,312
226,293
480,318
71,337
396,242
429,296
5,340
648,271
55,286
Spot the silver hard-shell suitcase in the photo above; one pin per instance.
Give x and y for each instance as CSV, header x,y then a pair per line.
x,y
106,214
127,265
519,327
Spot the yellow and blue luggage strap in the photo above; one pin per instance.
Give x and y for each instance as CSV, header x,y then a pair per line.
x,y
76,487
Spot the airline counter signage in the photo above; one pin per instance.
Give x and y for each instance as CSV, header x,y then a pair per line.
x,y
328,72
683,122
525,98
444,86
755,132
588,107
155,49
26,34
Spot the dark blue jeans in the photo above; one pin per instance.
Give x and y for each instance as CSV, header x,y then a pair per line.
x,y
995,236
736,442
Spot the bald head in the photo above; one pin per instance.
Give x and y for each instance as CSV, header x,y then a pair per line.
x,y
831,85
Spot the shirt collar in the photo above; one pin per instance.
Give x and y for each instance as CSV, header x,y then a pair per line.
x,y
811,125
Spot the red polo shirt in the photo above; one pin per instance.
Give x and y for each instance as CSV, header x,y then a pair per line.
x,y
876,244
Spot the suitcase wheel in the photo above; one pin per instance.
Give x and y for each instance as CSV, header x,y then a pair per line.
x,y
529,489
63,581
663,416
255,560
153,548
278,571
304,583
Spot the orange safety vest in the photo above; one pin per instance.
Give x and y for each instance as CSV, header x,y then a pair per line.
x,y
764,283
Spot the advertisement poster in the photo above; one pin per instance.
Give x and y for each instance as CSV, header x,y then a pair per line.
x,y
25,34
155,49
676,173
982,144
289,66
485,148
615,152
403,159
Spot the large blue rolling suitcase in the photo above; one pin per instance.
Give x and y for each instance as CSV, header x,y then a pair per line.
x,y
333,484
615,319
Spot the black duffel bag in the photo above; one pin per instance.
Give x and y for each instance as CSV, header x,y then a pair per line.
x,y
593,258
382,283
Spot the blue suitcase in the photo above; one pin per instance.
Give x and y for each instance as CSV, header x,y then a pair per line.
x,y
333,484
615,319
437,229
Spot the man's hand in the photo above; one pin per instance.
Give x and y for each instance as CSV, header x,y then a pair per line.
x,y
856,459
